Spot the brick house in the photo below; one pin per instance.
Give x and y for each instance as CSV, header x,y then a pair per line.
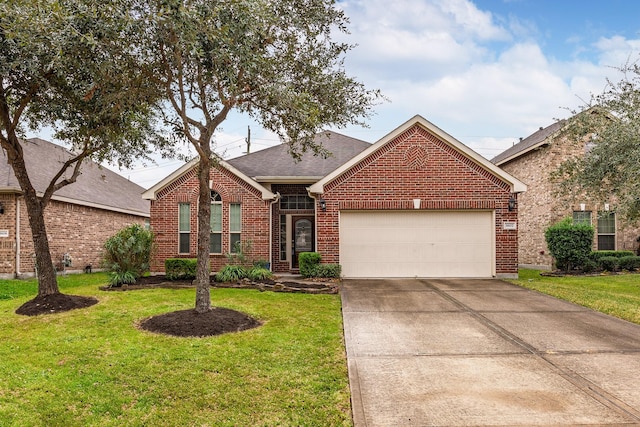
x,y
79,217
416,203
532,160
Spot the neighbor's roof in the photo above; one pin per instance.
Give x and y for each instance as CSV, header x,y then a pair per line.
x,y
275,164
516,185
96,186
529,143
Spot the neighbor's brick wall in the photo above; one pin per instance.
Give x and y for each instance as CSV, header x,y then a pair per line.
x,y
418,165
164,217
78,230
539,206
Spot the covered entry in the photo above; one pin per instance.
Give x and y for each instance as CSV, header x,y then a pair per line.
x,y
417,243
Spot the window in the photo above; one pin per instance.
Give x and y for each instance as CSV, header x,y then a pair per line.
x,y
184,228
582,217
283,237
296,202
235,226
215,245
606,231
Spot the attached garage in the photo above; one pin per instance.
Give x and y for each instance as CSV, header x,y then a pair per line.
x,y
417,243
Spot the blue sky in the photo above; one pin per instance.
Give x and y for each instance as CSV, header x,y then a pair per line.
x,y
485,71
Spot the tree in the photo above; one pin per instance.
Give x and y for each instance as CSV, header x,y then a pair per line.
x,y
272,59
610,126
63,64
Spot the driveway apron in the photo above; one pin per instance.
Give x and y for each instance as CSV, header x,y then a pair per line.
x,y
463,352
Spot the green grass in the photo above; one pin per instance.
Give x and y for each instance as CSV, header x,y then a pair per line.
x,y
617,295
93,367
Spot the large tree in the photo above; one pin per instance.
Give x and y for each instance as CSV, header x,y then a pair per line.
x,y
64,65
275,60
609,127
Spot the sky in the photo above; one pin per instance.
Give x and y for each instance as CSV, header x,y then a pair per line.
x,y
486,72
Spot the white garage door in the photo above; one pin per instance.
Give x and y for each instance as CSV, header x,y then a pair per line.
x,y
417,243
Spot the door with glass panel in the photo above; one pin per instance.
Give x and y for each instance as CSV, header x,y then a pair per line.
x,y
303,237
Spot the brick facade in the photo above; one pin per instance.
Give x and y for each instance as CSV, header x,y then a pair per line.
x,y
164,217
416,164
77,230
540,207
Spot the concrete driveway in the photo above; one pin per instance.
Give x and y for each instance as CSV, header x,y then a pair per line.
x,y
484,352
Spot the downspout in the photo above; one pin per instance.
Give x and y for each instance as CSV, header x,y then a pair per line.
x,y
273,202
17,257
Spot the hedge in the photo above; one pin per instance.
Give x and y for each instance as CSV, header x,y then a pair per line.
x,y
180,268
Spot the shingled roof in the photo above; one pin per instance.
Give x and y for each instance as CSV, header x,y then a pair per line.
x,y
97,186
529,143
276,164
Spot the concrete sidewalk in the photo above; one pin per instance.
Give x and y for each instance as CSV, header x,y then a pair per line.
x,y
427,352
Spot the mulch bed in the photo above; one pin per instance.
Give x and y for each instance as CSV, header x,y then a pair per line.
x,y
55,303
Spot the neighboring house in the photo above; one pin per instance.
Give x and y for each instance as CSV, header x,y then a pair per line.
x,y
79,217
532,160
417,203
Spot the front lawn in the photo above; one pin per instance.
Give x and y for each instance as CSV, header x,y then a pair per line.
x,y
93,367
617,295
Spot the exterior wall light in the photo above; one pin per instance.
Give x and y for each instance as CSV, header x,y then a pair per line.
x,y
512,204
323,205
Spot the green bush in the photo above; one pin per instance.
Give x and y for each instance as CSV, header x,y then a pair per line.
x,y
596,255
180,268
308,262
259,273
630,262
609,263
331,271
589,266
127,254
232,273
569,243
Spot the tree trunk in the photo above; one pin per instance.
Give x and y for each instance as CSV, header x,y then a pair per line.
x,y
47,279
203,295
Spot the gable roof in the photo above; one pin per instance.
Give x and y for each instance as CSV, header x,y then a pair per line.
x,y
152,193
529,143
275,164
96,186
516,185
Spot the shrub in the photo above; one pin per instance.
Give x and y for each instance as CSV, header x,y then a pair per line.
x,y
609,263
308,262
589,266
180,268
259,273
331,271
262,263
231,273
596,255
569,243
629,262
127,254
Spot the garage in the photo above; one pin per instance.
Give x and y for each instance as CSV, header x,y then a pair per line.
x,y
417,243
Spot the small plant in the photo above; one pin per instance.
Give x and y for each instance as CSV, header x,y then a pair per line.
x,y
308,262
180,268
240,253
127,254
330,271
630,262
259,273
231,273
609,263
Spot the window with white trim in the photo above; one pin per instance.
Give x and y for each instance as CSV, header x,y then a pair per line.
x,y
235,227
215,244
582,217
606,231
184,228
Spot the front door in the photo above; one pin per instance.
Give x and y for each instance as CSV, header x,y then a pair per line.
x,y
303,237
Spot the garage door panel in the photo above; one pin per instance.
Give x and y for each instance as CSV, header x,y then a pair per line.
x,y
417,243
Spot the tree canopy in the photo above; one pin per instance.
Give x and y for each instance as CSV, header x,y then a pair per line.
x,y
275,60
609,171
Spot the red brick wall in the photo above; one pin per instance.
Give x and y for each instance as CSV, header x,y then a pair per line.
x,y
164,217
418,165
78,230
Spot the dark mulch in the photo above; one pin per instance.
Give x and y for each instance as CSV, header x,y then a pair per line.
x,y
54,304
189,323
